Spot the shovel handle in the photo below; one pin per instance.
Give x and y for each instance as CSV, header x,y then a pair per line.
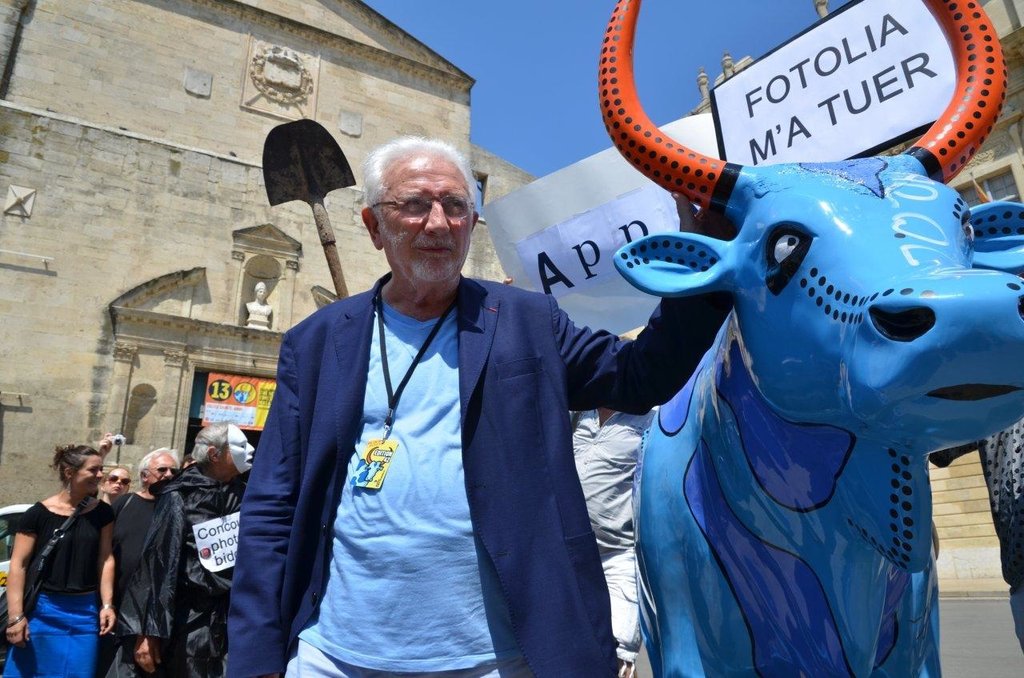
x,y
326,233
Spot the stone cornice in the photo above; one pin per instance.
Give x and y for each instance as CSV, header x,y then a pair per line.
x,y
161,284
220,360
117,131
129,320
267,239
458,81
1013,44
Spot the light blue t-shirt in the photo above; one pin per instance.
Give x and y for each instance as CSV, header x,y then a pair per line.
x,y
409,587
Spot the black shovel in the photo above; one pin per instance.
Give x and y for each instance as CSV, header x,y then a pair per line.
x,y
302,161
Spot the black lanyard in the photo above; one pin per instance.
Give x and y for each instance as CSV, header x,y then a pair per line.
x,y
393,396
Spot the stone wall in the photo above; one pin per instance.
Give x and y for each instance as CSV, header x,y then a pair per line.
x,y
501,178
969,550
182,70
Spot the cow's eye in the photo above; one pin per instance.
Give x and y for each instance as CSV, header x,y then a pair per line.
x,y
965,222
785,245
785,250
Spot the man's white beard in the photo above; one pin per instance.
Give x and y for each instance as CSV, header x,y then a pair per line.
x,y
426,269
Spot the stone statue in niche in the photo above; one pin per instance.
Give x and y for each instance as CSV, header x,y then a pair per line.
x,y
259,311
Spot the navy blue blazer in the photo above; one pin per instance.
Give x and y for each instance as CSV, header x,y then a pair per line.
x,y
522,366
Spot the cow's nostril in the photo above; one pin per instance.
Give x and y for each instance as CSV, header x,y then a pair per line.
x,y
903,325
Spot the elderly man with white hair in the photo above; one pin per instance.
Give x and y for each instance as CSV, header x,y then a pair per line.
x,y
133,513
415,508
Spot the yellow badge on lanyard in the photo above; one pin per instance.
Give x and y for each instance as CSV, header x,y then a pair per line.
x,y
374,463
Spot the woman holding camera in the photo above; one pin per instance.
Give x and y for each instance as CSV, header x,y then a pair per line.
x,y
59,636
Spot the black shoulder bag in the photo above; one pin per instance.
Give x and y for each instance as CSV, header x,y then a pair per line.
x,y
37,571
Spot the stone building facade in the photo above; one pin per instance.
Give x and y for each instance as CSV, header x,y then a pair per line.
x,y
136,222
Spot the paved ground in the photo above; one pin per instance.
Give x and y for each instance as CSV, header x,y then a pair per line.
x,y
977,640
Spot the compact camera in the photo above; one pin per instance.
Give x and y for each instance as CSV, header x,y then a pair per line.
x,y
119,440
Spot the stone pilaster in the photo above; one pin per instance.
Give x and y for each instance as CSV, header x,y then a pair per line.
x,y
125,355
238,264
168,399
285,321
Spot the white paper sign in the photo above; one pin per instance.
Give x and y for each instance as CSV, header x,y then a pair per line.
x,y
230,414
577,254
589,202
871,74
217,542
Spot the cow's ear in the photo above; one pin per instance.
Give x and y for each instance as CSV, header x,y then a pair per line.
x,y
674,264
999,236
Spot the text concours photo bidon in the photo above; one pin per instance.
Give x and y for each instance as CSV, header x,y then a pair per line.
x,y
217,542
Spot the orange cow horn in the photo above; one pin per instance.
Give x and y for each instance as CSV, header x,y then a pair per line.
x,y
705,181
956,136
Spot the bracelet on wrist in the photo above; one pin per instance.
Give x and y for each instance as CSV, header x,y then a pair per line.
x,y
108,606
17,620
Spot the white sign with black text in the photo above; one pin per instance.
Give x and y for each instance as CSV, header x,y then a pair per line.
x,y
575,254
870,75
217,542
559,234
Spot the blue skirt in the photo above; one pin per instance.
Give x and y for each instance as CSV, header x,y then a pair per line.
x,y
63,639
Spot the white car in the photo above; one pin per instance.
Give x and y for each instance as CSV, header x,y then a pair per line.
x,y
9,516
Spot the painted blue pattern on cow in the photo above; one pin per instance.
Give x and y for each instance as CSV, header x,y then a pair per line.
x,y
673,415
792,628
895,587
866,172
804,477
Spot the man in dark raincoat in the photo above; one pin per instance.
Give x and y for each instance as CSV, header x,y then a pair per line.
x,y
176,603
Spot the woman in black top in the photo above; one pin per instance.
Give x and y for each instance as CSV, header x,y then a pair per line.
x,y
59,637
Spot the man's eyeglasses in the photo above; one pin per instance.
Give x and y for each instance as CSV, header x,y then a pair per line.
x,y
120,481
454,207
161,470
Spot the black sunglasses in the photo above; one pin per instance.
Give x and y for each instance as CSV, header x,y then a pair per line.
x,y
162,469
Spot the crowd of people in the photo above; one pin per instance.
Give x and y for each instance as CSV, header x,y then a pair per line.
x,y
422,503
106,582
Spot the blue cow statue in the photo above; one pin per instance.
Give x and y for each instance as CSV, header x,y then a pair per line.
x,y
783,506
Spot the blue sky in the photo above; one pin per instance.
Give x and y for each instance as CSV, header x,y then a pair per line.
x,y
535,61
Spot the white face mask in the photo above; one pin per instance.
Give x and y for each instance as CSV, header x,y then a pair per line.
x,y
241,450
